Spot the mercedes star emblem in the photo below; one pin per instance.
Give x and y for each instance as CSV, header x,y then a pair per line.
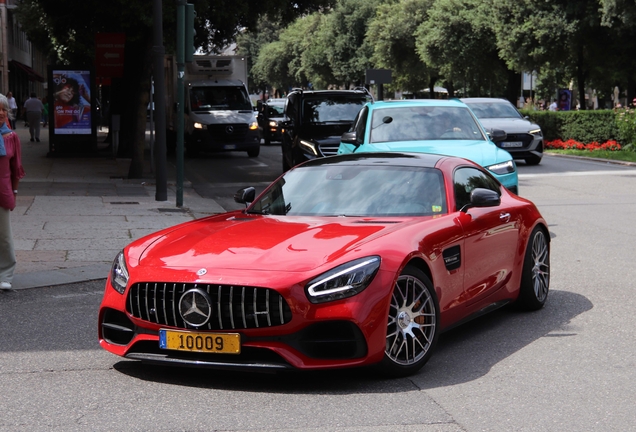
x,y
195,307
201,272
229,130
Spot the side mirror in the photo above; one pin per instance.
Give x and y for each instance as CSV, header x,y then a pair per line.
x,y
349,138
245,196
497,135
481,197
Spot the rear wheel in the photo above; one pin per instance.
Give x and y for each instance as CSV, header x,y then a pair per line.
x,y
535,279
412,325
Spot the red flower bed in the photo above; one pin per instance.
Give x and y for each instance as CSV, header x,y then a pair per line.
x,y
570,144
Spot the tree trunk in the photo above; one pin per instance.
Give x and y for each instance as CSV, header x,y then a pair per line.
x,y
133,96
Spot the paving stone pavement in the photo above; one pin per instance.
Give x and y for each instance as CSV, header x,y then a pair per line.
x,y
75,213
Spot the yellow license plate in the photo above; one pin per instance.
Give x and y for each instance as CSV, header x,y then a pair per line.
x,y
218,343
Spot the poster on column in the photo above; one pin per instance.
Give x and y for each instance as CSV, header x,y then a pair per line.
x,y
72,102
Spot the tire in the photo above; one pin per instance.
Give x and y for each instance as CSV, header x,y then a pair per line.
x,y
254,151
268,140
535,279
412,324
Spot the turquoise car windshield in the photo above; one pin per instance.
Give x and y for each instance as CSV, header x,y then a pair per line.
x,y
355,191
416,123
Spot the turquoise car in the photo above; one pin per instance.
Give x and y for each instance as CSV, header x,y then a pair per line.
x,y
446,127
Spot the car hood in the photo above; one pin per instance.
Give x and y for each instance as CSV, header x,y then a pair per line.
x,y
510,125
324,132
481,152
269,243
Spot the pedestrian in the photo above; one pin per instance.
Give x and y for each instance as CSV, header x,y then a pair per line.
x,y
33,107
13,108
553,106
11,171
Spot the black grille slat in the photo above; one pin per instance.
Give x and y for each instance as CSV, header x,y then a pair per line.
x,y
235,307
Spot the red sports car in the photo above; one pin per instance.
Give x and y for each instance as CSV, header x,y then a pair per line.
x,y
343,261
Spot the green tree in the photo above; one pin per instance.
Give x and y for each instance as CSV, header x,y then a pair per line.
x,y
344,38
561,34
458,39
392,33
280,63
250,43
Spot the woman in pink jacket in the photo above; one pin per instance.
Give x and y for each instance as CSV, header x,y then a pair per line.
x,y
11,172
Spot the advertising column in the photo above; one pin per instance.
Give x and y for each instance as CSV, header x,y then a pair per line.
x,y
70,114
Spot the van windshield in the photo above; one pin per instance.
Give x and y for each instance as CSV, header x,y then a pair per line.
x,y
219,98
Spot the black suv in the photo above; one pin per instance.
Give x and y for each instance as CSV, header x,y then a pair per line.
x,y
271,113
315,121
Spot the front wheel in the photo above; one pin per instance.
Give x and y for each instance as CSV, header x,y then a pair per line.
x,y
254,151
535,279
412,325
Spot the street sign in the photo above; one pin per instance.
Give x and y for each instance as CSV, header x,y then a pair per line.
x,y
109,53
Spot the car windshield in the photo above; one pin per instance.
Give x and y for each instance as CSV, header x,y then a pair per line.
x,y
219,98
485,110
332,108
344,190
275,110
416,123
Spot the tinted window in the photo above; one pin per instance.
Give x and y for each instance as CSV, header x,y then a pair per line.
x,y
356,191
332,108
467,179
415,123
494,110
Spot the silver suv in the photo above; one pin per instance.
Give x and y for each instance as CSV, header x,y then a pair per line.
x,y
525,139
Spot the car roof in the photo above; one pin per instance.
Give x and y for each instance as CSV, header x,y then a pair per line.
x,y
329,92
417,102
426,160
479,100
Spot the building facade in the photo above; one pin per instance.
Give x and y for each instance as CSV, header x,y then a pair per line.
x,y
22,67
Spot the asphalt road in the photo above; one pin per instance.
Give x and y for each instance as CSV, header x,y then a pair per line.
x,y
569,367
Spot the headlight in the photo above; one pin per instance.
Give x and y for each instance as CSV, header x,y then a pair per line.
x,y
309,146
535,131
273,123
119,274
343,281
502,168
198,126
254,125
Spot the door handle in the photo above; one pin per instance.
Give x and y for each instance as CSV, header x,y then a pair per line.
x,y
504,217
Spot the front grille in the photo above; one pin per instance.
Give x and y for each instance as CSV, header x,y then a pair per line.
x,y
233,307
228,132
329,149
525,138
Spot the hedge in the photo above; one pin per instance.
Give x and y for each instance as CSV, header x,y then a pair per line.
x,y
583,126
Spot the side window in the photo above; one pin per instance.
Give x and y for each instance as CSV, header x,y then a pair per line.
x,y
360,126
467,179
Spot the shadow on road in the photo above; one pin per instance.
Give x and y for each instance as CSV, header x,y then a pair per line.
x,y
463,354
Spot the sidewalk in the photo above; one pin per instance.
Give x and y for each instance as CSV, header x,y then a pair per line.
x,y
74,214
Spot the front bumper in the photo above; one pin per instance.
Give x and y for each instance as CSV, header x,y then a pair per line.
x,y
343,333
224,138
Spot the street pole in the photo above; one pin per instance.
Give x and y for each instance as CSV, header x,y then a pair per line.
x,y
180,96
161,188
